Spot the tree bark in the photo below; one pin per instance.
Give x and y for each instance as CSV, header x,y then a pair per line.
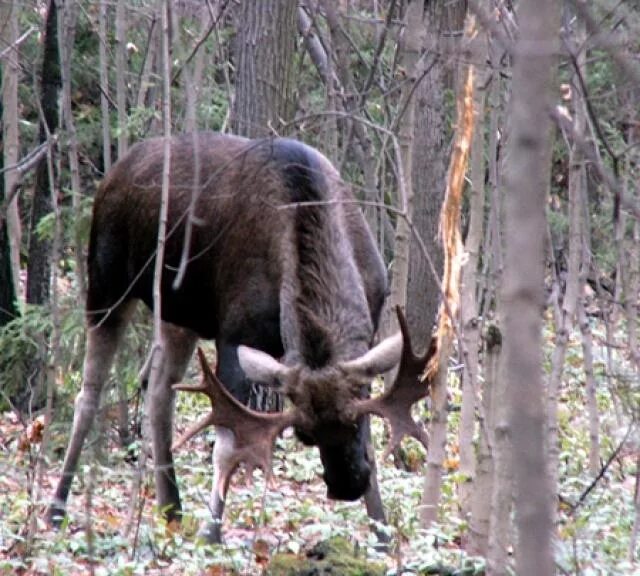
x,y
448,313
569,290
39,264
8,304
483,482
469,320
121,70
501,495
527,179
265,44
103,23
67,25
501,450
428,178
10,136
413,42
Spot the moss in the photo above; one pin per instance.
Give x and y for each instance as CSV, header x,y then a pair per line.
x,y
332,557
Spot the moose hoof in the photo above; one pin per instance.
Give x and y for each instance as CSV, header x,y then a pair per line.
x,y
55,516
210,533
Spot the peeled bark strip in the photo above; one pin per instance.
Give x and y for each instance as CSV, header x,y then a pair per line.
x,y
452,242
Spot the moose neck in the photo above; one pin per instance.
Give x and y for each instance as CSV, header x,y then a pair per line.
x,y
324,312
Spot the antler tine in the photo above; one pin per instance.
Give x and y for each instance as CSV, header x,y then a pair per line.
x,y
254,432
395,404
206,386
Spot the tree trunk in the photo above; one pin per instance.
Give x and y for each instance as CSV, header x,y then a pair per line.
x,y
527,179
501,495
10,136
428,177
67,25
413,43
121,70
572,284
591,389
265,44
103,22
448,313
469,320
8,304
39,264
483,482
501,450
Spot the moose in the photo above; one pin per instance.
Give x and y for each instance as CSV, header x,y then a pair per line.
x,y
282,272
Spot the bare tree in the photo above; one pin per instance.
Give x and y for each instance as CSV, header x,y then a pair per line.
x,y
469,319
121,71
497,432
412,45
526,180
103,20
8,303
428,177
67,23
10,137
39,264
447,316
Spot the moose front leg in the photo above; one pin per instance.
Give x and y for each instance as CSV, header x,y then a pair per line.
x,y
211,531
230,373
177,348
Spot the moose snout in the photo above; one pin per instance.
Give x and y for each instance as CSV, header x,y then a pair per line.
x,y
348,484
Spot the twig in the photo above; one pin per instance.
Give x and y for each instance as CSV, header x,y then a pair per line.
x,y
203,38
17,43
563,121
602,472
27,163
625,66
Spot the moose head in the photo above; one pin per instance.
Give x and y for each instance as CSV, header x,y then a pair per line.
x,y
327,409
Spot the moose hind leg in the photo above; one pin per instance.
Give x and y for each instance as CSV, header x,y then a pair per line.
x,y
102,343
177,348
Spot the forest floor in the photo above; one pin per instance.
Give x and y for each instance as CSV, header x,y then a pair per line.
x,y
114,528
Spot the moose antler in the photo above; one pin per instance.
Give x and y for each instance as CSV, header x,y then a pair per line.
x,y
409,387
254,432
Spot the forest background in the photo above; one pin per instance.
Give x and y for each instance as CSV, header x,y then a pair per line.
x,y
530,109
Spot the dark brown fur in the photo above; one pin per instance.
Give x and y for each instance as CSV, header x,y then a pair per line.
x,y
280,260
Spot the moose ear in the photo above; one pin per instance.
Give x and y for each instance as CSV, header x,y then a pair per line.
x,y
261,367
381,358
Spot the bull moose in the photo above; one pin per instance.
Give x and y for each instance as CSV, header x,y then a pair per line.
x,y
282,271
